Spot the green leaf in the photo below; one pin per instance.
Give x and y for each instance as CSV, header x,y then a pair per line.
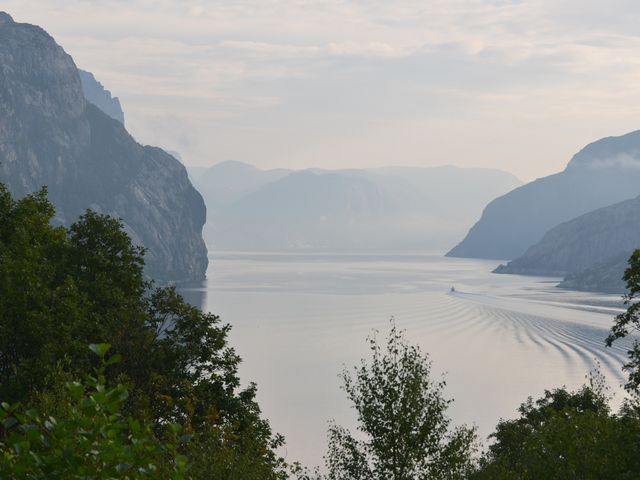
x,y
117,358
181,461
9,422
100,349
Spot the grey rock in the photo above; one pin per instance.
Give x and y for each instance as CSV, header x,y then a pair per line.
x,y
50,135
95,93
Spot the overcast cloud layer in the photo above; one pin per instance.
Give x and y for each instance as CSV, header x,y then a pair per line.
x,y
517,85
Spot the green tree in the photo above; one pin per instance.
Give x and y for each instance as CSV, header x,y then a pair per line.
x,y
90,437
629,322
404,432
61,289
564,434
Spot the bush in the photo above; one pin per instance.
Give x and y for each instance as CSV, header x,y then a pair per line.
x,y
91,438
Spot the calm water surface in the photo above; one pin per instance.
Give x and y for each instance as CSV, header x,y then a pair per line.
x,y
297,319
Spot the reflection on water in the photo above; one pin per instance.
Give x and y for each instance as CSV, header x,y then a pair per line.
x,y
195,293
297,319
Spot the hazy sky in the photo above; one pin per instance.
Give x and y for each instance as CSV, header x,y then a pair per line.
x,y
517,85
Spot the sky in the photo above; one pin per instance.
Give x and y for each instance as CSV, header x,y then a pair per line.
x,y
515,85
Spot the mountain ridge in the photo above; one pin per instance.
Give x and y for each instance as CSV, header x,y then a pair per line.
x,y
594,178
382,209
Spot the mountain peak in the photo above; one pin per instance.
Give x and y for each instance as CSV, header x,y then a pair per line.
x,y
5,18
236,164
610,152
604,172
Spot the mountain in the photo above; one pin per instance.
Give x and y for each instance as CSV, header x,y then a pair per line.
x,y
50,135
606,277
445,190
228,181
603,173
95,93
304,210
591,250
384,209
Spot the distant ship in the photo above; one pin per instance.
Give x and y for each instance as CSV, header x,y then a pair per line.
x,y
453,289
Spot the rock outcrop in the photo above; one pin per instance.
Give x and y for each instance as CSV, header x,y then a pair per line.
x,y
95,93
603,173
50,135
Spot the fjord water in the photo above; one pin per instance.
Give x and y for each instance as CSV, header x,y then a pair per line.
x,y
297,319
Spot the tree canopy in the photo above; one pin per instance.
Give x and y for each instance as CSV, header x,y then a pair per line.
x,y
565,434
628,322
62,289
403,429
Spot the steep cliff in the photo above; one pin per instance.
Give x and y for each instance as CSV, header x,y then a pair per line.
x,y
603,173
606,277
49,135
95,92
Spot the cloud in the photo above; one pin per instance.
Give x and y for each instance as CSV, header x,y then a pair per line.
x,y
518,85
624,161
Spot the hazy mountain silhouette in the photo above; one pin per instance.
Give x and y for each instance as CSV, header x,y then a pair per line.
x,y
603,173
385,209
228,181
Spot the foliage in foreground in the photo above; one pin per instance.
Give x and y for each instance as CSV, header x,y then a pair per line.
x,y
62,289
564,434
575,435
628,322
403,429
89,438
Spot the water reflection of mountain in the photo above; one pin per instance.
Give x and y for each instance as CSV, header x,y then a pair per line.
x,y
195,293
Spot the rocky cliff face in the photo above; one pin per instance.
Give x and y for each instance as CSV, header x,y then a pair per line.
x,y
49,135
603,173
606,277
95,93
591,250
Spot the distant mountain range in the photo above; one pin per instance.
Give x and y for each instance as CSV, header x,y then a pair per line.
x,y
384,209
601,174
229,181
51,135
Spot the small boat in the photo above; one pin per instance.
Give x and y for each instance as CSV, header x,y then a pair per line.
x,y
453,289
